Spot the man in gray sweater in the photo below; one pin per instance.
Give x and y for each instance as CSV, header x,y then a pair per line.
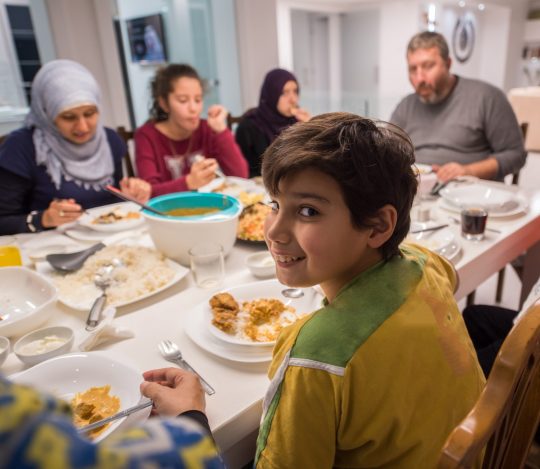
x,y
458,125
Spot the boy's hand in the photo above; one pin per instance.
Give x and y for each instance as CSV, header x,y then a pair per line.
x,y
217,118
173,391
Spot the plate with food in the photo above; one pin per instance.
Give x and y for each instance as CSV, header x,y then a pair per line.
x,y
96,386
110,218
245,190
251,223
141,272
253,314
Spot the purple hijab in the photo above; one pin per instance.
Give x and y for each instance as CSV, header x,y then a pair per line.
x,y
266,116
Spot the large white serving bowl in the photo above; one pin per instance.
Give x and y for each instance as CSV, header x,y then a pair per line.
x,y
175,236
26,300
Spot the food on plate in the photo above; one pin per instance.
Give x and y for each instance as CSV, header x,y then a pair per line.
x,y
114,216
224,309
39,346
251,222
188,212
226,186
259,320
250,198
143,271
92,405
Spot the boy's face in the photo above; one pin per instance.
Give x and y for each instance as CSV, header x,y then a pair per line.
x,y
311,236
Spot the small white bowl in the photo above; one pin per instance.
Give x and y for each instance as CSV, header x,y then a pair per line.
x,y
261,264
34,357
4,349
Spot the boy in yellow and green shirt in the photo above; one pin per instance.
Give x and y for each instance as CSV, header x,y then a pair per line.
x,y
382,373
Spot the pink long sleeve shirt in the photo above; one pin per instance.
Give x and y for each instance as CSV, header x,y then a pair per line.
x,y
164,162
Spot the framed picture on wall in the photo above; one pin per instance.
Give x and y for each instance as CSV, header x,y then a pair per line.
x,y
147,39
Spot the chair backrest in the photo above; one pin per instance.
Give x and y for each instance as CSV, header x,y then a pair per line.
x,y
233,120
524,127
2,138
127,136
507,413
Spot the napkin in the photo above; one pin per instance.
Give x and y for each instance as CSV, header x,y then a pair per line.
x,y
105,331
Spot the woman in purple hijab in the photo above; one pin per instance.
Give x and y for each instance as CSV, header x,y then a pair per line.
x,y
277,110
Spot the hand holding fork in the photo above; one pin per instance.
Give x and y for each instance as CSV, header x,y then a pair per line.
x,y
170,351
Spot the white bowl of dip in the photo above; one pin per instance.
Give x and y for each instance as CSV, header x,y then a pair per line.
x,y
261,264
40,345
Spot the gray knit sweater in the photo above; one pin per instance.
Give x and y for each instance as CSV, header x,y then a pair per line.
x,y
474,122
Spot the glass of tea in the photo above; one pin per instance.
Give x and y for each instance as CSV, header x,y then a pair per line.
x,y
473,223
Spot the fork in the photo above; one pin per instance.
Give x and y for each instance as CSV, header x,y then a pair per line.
x,y
170,351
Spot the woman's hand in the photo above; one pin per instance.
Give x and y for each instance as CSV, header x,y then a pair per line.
x,y
202,172
136,188
300,114
217,118
59,212
173,391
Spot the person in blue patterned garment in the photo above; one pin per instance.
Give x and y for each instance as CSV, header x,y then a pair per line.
x,y
36,430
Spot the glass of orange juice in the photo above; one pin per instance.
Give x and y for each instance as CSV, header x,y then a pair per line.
x,y
9,252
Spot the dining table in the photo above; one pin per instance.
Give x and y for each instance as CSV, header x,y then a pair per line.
x,y
234,411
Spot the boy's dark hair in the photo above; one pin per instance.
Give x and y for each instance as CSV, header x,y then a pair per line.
x,y
163,84
370,160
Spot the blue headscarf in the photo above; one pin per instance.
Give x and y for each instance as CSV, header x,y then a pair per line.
x,y
61,85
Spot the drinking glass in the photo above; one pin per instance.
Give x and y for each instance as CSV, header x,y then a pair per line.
x,y
207,264
473,223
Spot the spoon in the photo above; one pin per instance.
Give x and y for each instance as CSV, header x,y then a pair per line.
x,y
68,262
293,292
116,192
102,280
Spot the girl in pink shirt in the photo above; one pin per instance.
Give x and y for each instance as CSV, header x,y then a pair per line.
x,y
167,146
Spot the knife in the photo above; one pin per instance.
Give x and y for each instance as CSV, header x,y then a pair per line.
x,y
431,228
119,415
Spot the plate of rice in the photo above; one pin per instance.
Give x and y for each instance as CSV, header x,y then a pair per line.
x,y
144,272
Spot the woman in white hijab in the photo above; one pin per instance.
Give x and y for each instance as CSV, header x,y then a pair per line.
x,y
57,165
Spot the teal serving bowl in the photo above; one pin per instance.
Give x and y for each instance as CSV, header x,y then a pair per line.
x,y
174,236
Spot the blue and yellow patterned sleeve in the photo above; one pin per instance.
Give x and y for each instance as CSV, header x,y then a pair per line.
x,y
36,431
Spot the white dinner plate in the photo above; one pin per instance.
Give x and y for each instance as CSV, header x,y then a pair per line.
x,y
215,341
520,208
441,241
66,375
235,186
84,298
88,218
495,200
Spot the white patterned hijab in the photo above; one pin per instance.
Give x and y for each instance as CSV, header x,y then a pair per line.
x,y
61,85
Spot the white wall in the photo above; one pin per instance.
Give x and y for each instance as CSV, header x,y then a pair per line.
x,y
360,61
77,35
399,22
257,45
227,55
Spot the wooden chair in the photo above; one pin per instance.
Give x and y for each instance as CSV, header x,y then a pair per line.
x,y
500,279
2,138
507,413
127,136
234,120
